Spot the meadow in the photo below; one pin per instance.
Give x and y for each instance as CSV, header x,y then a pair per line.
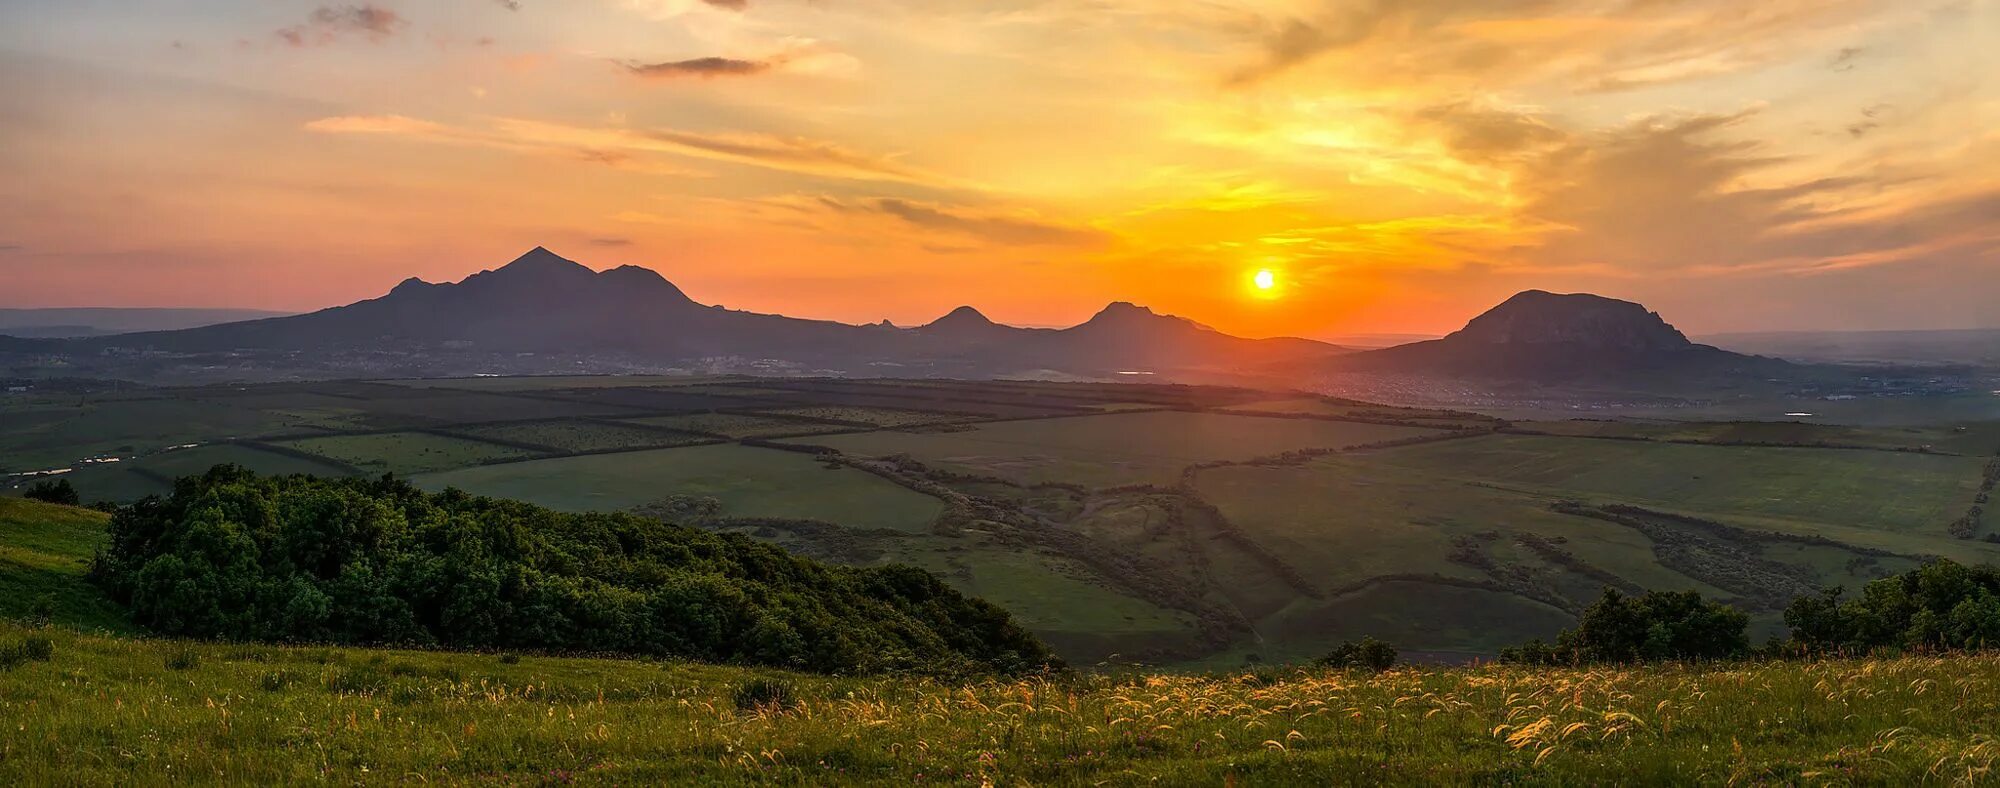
x,y
1113,449
1142,524
118,711
406,453
749,482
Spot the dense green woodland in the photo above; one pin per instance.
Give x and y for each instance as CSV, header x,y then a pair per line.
x,y
236,556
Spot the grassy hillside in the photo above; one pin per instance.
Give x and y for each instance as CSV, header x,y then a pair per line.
x,y
44,550
111,711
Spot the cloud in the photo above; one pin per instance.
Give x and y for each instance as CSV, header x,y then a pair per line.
x,y
640,149
611,241
732,5
1596,46
961,221
328,24
701,67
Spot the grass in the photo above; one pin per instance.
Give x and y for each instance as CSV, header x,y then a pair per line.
x,y
110,711
52,434
1883,490
44,551
880,417
1112,449
749,482
1795,433
736,425
406,453
580,436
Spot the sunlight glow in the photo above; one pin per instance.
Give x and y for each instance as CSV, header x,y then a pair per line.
x,y
1264,279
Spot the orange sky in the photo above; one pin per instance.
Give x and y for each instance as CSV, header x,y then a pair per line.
x,y
1399,164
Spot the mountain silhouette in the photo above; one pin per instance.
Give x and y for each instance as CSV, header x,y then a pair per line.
x,y
1550,337
545,304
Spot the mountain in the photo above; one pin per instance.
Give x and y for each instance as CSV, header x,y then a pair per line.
x,y
63,322
542,303
1550,337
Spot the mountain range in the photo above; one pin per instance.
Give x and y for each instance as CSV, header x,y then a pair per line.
x,y
547,305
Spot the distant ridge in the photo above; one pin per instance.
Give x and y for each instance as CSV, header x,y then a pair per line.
x,y
543,303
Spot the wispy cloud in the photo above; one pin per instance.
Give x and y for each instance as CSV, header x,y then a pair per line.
x,y
701,68
638,148
965,223
328,24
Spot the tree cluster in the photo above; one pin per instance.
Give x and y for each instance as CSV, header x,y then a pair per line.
x,y
1940,605
1659,626
232,555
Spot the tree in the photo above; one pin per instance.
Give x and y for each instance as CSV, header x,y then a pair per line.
x,y
1659,626
56,491
235,556
1364,654
1940,605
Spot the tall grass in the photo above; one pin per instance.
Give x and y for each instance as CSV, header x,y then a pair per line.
x,y
106,710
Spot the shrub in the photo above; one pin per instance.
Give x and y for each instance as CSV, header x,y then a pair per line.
x,y
510,658
1364,654
183,659
1940,605
765,695
57,491
1662,625
29,650
230,555
276,680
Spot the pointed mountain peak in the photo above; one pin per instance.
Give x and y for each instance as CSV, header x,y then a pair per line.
x,y
411,284
541,259
1124,308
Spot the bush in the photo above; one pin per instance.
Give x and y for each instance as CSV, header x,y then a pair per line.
x,y
230,555
276,680
1364,654
29,650
510,658
1940,605
183,659
1662,625
765,695
57,491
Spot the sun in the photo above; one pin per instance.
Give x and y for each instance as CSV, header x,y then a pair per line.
x,y
1264,279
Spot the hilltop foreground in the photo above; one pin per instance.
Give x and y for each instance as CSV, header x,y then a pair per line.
x,y
103,710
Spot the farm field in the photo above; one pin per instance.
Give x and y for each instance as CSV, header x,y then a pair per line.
x,y
1161,535
1912,493
739,425
405,453
749,482
115,711
130,480
574,435
42,435
1965,440
1113,449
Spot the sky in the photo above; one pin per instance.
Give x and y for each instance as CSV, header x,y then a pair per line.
x,y
1397,165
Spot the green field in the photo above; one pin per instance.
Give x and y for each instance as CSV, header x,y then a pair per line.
x,y
580,436
52,434
406,453
1980,439
737,425
113,711
1905,492
880,417
749,482
153,474
44,552
1112,449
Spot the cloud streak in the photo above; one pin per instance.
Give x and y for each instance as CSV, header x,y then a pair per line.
x,y
700,68
641,148
328,24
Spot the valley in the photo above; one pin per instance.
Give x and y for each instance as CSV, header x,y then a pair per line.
x,y
1193,526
